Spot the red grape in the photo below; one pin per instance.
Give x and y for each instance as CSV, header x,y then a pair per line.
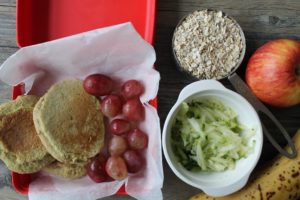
x,y
111,105
119,126
133,160
98,84
134,110
96,171
117,145
116,168
137,139
132,89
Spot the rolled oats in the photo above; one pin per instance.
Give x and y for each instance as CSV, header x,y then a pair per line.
x,y
208,44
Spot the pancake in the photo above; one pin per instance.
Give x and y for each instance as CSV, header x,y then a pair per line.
x,y
69,122
20,147
25,101
68,171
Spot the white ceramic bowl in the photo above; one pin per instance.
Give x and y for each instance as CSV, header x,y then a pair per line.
x,y
215,183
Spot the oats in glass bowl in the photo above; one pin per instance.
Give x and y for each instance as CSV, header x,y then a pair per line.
x,y
208,44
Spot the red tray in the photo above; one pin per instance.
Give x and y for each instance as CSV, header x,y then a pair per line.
x,y
44,20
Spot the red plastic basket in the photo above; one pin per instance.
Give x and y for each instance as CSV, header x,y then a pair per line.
x,y
44,20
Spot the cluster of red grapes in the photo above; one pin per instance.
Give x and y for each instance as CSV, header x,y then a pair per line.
x,y
127,141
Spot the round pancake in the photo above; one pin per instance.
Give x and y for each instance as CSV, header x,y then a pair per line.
x,y
69,171
20,147
25,101
69,122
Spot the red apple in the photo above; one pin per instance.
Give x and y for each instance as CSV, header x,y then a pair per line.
x,y
273,73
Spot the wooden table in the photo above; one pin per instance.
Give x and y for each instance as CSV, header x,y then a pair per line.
x,y
261,21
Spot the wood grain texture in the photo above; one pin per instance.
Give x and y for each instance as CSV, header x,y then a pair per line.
x,y
261,21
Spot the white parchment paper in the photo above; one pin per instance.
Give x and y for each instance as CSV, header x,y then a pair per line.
x,y
117,51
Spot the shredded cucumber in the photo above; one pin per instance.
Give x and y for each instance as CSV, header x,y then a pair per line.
x,y
207,135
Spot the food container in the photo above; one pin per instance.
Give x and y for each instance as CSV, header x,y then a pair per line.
x,y
192,45
215,183
40,21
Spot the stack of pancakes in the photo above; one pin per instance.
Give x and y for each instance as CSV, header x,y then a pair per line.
x,y
58,133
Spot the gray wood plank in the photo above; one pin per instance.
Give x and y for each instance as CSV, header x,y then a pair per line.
x,y
8,3
7,26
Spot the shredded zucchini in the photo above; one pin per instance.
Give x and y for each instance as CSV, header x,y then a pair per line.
x,y
207,135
